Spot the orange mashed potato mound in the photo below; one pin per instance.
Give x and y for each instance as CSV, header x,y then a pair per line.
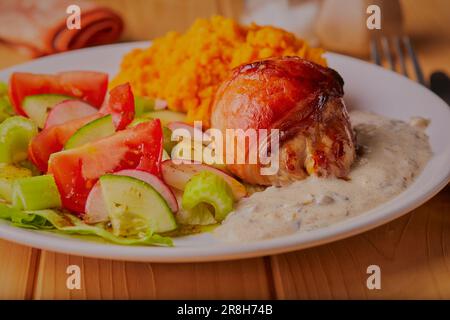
x,y
186,69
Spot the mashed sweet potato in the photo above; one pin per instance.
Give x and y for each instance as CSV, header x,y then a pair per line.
x,y
185,69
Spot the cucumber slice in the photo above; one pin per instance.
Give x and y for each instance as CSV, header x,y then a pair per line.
x,y
134,207
37,106
35,193
8,173
166,116
15,135
143,105
94,130
137,121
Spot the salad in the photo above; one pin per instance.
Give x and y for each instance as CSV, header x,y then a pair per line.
x,y
77,159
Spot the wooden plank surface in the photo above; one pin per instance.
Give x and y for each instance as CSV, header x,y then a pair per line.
x,y
104,279
18,270
412,252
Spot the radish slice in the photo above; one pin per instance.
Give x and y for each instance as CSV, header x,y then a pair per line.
x,y
160,104
96,210
193,131
177,175
68,110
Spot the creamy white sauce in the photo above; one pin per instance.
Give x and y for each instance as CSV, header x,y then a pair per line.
x,y
391,154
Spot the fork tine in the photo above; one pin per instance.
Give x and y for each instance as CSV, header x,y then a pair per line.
x,y
375,54
412,54
400,55
387,52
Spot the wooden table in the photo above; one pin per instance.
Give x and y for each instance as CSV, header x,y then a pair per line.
x,y
413,252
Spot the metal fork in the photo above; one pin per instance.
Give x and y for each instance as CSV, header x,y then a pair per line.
x,y
394,48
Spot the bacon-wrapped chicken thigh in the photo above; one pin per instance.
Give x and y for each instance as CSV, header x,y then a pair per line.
x,y
301,99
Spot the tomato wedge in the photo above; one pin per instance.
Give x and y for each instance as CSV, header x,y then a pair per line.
x,y
88,86
64,120
120,105
52,140
77,170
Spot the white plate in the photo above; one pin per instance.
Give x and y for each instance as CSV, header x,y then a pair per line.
x,y
367,87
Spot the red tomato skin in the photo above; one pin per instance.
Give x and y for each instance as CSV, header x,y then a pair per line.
x,y
77,170
88,86
53,139
120,105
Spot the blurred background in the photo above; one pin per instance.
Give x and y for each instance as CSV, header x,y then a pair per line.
x,y
337,25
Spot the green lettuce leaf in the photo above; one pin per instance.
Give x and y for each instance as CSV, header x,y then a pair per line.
x,y
69,224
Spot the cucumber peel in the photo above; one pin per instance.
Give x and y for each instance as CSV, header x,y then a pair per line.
x,y
37,106
137,121
15,135
207,190
166,116
35,193
143,105
135,207
92,131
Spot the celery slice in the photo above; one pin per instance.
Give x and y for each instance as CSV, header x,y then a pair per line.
x,y
203,215
35,193
15,135
207,188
